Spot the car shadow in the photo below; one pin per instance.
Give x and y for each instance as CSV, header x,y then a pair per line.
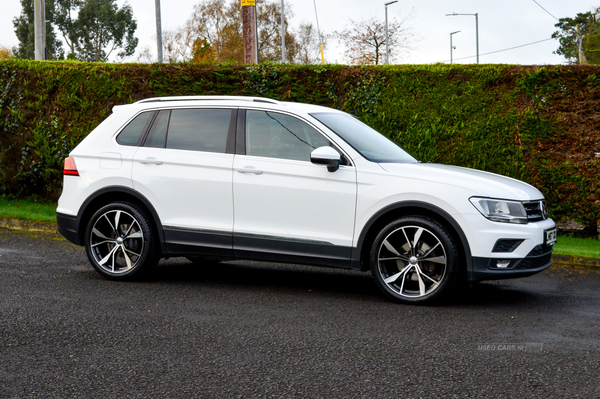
x,y
264,275
334,282
509,293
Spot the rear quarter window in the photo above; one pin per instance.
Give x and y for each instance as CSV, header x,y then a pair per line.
x,y
133,133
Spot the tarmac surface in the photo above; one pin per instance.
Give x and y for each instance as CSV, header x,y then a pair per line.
x,y
258,330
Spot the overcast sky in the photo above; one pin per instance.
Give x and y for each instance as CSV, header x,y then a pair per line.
x,y
502,25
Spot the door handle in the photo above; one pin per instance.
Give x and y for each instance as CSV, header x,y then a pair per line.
x,y
249,169
153,161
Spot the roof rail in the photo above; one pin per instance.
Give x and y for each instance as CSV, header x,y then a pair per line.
x,y
208,98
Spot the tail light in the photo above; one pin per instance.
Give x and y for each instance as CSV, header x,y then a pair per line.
x,y
70,167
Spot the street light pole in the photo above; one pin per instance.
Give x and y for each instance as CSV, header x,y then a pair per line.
x,y
387,45
282,33
39,23
476,30
451,46
159,45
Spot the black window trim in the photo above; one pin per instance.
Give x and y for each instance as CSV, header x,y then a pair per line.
x,y
232,136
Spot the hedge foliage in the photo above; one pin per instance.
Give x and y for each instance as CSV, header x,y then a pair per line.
x,y
537,124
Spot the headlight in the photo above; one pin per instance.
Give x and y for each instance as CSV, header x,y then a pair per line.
x,y
501,210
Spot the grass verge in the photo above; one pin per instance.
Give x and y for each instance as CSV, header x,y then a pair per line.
x,y
46,213
577,246
28,210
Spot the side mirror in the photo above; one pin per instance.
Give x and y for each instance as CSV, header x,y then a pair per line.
x,y
326,156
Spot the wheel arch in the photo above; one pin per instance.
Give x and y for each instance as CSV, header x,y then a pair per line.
x,y
360,259
118,194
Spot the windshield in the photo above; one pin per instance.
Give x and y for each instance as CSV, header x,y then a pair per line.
x,y
368,142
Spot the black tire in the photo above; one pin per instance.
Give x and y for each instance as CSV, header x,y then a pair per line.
x,y
414,260
120,242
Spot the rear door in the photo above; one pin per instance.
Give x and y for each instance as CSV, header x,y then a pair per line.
x,y
184,167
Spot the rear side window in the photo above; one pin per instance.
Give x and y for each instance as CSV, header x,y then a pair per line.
x,y
198,129
158,132
133,134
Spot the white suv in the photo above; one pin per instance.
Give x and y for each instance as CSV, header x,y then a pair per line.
x,y
253,178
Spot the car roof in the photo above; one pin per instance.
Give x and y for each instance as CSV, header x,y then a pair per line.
x,y
238,101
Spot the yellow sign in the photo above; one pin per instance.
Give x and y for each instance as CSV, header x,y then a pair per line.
x,y
247,3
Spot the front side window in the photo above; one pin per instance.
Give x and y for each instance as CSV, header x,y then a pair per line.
x,y
198,129
274,135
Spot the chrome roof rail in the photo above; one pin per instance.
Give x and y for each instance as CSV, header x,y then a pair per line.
x,y
209,98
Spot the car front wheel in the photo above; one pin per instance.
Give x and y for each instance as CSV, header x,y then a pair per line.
x,y
414,260
120,242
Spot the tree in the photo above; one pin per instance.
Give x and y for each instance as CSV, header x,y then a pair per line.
x,y
308,42
5,53
24,29
268,16
365,40
214,33
99,28
579,38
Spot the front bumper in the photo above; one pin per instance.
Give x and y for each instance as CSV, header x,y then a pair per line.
x,y
539,259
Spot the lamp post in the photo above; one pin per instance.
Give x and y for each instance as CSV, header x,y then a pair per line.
x,y
387,45
476,30
282,32
39,23
451,46
159,46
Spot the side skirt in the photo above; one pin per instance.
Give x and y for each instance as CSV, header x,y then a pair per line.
x,y
193,242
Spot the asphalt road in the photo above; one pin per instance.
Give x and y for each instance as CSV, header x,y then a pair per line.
x,y
253,330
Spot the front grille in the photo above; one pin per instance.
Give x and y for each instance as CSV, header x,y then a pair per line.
x,y
506,245
536,210
538,257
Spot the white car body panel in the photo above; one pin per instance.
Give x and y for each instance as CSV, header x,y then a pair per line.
x,y
294,199
194,187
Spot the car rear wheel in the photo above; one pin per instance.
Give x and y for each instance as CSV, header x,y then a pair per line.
x,y
120,242
414,260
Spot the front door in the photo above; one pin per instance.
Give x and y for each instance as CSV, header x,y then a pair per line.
x,y
284,204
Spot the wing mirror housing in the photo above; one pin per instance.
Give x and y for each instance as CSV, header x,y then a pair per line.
x,y
326,156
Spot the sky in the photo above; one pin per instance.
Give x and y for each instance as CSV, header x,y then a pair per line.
x,y
502,25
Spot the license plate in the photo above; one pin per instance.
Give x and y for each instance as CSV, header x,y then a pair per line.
x,y
550,237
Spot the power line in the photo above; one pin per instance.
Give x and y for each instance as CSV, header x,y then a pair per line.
x,y
506,49
545,9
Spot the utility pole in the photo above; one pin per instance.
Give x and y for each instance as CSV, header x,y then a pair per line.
x,y
580,54
159,45
249,32
387,37
39,23
282,32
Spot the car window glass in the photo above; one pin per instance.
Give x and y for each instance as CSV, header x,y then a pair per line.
x,y
158,132
134,132
198,129
368,142
274,135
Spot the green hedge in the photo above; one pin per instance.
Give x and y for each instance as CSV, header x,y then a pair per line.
x,y
538,124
